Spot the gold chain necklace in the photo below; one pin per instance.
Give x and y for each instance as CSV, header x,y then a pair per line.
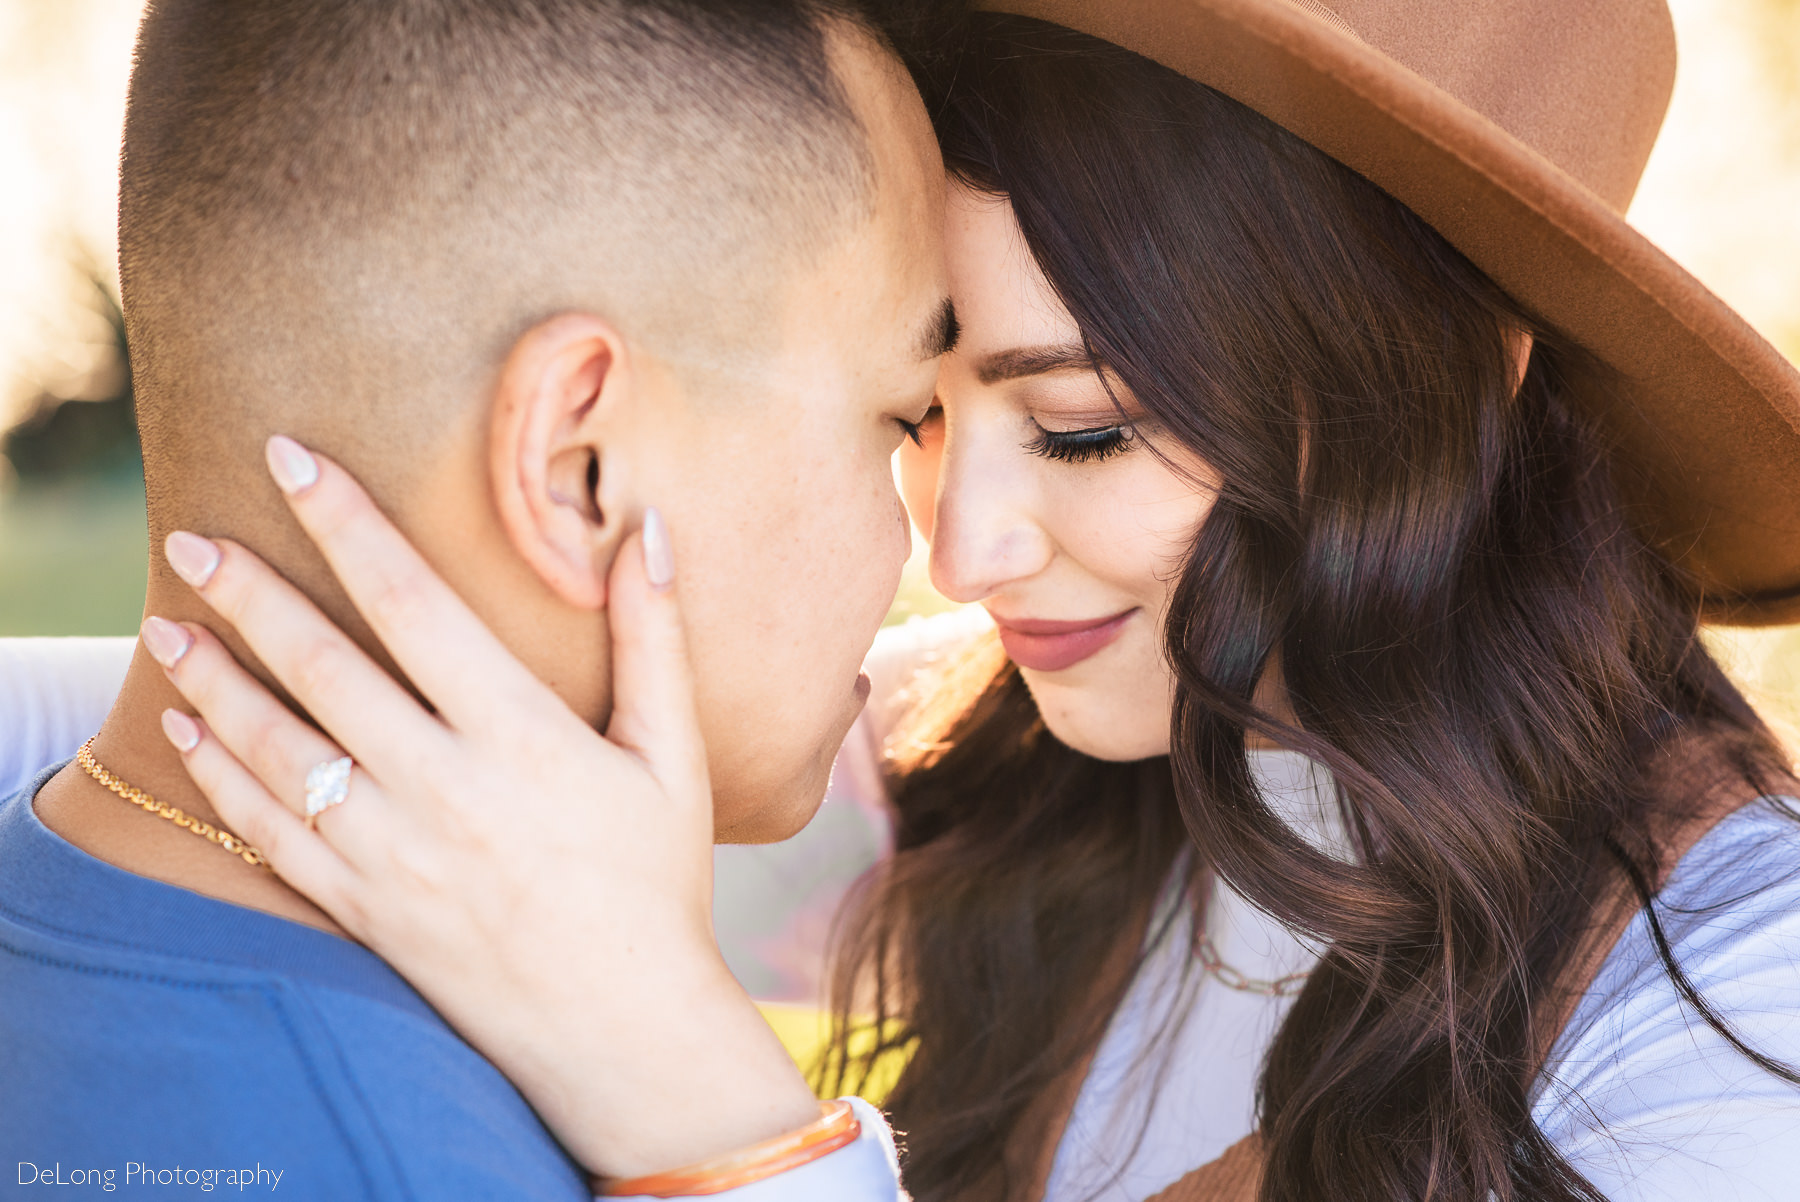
x,y
181,818
1210,960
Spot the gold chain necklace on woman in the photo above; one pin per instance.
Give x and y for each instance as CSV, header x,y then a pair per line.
x,y
1208,954
162,809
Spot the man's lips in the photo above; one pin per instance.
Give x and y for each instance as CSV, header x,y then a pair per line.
x,y
1045,646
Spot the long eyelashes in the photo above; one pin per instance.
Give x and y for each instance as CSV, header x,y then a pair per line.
x,y
915,431
1064,446
1081,446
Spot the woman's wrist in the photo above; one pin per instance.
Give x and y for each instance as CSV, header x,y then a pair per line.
x,y
666,1074
836,1126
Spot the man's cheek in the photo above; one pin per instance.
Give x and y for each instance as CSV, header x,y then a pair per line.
x,y
884,544
906,531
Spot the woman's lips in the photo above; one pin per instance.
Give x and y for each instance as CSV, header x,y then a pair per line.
x,y
1052,646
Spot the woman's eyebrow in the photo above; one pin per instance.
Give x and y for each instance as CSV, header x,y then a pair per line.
x,y
1023,361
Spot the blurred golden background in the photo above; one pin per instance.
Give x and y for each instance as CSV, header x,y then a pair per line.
x,y
1722,194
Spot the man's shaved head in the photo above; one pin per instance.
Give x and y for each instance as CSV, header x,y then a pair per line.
x,y
337,215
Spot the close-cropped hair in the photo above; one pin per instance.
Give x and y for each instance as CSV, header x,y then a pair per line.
x,y
353,207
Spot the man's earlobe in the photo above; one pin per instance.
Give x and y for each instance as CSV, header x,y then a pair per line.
x,y
548,452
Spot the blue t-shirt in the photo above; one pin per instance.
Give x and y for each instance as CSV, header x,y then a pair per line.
x,y
150,1036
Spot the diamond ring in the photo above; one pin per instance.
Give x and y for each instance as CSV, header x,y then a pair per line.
x,y
327,785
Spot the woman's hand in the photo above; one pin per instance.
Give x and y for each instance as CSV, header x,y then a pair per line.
x,y
549,890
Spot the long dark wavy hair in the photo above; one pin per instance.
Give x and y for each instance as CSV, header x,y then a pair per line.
x,y
1435,559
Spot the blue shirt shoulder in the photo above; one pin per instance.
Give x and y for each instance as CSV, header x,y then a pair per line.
x,y
150,1035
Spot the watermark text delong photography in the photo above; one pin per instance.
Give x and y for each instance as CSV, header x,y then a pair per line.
x,y
138,1175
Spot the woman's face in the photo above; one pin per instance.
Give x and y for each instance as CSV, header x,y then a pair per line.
x,y
1042,506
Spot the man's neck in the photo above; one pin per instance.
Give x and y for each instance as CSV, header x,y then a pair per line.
x,y
132,747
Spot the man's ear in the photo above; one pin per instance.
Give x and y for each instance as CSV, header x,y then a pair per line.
x,y
561,389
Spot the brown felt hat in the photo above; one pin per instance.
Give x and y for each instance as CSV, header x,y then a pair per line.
x,y
1519,130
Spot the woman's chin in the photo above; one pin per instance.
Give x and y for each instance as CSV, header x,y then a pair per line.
x,y
1119,729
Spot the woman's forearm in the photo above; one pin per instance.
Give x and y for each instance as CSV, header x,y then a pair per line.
x,y
701,1073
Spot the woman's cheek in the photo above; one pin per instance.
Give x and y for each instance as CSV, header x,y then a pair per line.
x,y
1170,509
1129,527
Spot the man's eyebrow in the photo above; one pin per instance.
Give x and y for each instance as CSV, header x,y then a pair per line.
x,y
1024,361
941,335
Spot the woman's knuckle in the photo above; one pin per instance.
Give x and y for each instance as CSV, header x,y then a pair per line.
x,y
267,730
268,836
441,777
399,601
350,908
421,867
318,667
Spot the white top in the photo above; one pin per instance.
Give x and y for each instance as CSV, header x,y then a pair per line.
x,y
1645,1098
1642,1096
1179,1061
53,695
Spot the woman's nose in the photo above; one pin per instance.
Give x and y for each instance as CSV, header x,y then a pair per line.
x,y
984,536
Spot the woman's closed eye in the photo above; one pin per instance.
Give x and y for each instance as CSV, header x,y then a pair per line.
x,y
1090,445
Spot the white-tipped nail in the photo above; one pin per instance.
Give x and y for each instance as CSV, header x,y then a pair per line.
x,y
292,465
181,730
659,555
165,641
194,559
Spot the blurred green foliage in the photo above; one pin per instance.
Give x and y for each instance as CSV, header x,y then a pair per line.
x,y
86,427
72,556
73,547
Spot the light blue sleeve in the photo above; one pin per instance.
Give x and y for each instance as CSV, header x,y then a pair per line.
x,y
1648,1101
865,1171
54,693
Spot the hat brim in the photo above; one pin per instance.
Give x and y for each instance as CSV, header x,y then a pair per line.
x,y
1707,421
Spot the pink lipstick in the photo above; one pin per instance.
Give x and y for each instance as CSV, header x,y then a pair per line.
x,y
1045,646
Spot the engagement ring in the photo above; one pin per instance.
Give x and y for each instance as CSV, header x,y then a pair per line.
x,y
327,785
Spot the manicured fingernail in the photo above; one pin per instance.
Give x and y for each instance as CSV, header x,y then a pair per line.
x,y
165,641
292,465
194,559
181,730
659,556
